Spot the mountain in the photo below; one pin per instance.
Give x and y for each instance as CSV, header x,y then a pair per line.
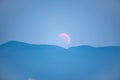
x,y
22,61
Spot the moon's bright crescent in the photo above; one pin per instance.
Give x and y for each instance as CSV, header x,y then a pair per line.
x,y
66,37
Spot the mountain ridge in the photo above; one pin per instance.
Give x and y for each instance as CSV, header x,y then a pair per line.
x,y
52,62
13,42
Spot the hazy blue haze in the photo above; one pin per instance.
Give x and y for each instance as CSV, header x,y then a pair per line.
x,y
88,22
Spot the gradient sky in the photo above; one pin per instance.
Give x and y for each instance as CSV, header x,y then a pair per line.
x,y
88,22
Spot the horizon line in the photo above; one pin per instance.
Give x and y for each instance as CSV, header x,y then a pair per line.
x,y
53,44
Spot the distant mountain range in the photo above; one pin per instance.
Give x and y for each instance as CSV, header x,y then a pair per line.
x,y
21,61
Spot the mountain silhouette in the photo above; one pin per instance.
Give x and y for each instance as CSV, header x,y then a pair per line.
x,y
22,61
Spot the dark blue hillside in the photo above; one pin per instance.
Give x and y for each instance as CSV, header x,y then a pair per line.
x,y
19,61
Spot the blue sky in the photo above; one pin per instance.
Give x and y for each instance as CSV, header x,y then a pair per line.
x,y
88,22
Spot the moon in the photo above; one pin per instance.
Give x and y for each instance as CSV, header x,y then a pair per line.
x,y
66,38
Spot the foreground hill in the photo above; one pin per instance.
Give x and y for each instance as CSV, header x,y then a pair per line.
x,y
20,61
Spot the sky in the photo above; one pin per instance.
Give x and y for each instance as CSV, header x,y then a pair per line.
x,y
88,22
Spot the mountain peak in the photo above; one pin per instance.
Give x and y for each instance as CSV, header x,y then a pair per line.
x,y
15,44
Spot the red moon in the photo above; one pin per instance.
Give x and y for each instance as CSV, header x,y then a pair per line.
x,y
66,37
